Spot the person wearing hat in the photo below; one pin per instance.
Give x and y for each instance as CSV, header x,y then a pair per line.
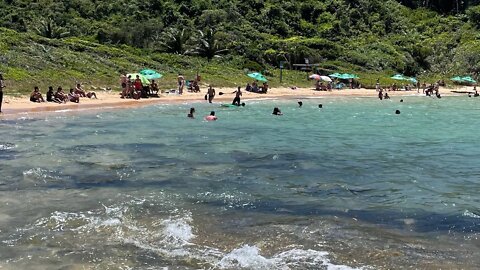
x,y
2,85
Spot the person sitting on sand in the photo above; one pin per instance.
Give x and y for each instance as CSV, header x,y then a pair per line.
x,y
73,97
254,87
60,95
190,114
153,88
211,117
264,88
92,95
276,111
79,91
36,96
248,88
51,96
210,93
238,94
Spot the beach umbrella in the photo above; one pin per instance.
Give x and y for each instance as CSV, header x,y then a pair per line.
x,y
257,76
325,78
399,77
413,80
151,74
468,79
346,76
350,76
335,75
320,78
144,79
457,79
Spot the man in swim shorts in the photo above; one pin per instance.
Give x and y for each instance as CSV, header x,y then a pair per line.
x,y
238,94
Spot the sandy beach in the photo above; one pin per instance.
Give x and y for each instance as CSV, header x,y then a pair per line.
x,y
111,100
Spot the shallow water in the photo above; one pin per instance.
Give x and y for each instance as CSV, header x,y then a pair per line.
x,y
351,185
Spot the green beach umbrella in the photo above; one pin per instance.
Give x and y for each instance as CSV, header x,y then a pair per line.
x,y
456,79
468,79
335,75
399,77
347,76
350,76
257,76
144,79
151,74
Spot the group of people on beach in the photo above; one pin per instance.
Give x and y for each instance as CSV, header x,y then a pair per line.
x,y
60,96
255,88
134,88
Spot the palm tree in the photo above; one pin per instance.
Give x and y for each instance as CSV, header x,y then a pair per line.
x,y
208,45
174,40
49,29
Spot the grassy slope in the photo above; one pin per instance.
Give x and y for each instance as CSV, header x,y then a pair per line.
x,y
29,60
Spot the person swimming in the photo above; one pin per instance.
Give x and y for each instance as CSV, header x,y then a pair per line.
x,y
320,106
276,111
300,104
192,111
401,100
397,112
211,117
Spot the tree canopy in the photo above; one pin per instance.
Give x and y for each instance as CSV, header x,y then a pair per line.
x,y
407,36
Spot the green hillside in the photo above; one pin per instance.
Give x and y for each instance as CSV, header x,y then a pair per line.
x,y
59,42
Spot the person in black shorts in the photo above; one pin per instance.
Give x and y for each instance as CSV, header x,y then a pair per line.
x,y
238,94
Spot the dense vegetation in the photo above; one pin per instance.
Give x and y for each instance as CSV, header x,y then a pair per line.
x,y
81,38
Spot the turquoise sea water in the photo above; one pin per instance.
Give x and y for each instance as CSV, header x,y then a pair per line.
x,y
351,185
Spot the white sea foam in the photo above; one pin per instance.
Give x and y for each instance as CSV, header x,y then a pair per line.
x,y
249,257
470,214
7,146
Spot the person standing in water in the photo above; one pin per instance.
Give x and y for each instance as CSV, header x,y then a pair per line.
x,y
210,93
2,85
192,111
238,94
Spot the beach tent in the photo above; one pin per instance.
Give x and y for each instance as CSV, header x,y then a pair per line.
x,y
144,79
257,76
151,74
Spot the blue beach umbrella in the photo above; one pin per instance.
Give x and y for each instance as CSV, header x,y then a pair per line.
x,y
257,76
456,79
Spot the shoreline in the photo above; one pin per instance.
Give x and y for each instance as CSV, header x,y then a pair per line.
x,y
17,106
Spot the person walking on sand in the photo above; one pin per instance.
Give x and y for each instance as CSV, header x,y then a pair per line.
x,y
238,94
210,93
2,85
